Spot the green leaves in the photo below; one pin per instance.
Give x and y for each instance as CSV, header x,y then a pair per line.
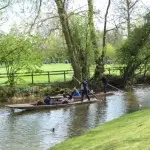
x,y
134,44
133,52
19,53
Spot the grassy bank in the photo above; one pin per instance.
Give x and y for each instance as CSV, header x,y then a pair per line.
x,y
131,131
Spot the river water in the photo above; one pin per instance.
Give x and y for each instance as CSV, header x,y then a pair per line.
x,y
33,130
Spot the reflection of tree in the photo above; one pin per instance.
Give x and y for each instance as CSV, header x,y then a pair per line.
x,y
132,103
101,111
86,117
26,127
96,114
79,119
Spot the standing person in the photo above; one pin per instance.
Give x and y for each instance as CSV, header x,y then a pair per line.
x,y
105,82
85,89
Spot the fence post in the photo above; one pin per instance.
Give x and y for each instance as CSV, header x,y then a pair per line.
x,y
64,76
49,78
32,78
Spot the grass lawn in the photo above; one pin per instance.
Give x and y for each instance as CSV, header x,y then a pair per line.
x,y
129,132
44,78
54,78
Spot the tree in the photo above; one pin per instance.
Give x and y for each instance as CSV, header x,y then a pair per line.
x,y
131,53
127,10
18,53
99,58
72,43
99,69
80,31
53,48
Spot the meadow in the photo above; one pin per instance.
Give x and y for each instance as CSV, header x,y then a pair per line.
x,y
57,73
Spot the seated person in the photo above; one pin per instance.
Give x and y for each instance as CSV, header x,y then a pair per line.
x,y
65,99
39,103
47,100
75,92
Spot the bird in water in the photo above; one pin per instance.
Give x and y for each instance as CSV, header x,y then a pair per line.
x,y
53,129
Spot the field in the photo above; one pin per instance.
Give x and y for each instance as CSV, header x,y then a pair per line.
x,y
60,74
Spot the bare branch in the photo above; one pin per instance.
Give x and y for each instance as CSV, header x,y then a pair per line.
x,y
105,24
133,4
5,5
38,13
48,18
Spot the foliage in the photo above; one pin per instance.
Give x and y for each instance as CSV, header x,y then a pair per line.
x,y
110,52
54,49
114,37
18,53
132,53
80,32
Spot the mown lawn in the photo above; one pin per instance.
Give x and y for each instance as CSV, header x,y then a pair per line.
x,y
54,78
44,78
129,132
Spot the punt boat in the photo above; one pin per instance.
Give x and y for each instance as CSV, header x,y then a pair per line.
x,y
30,106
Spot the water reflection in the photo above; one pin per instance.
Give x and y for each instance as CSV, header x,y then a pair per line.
x,y
33,130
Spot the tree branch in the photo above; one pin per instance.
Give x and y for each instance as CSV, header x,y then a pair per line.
x,y
38,13
133,4
5,5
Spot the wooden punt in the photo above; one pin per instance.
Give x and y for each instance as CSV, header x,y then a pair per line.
x,y
97,95
59,105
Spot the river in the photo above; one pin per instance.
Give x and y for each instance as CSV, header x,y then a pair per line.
x,y
33,130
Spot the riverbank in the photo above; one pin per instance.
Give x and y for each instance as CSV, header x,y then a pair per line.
x,y
131,131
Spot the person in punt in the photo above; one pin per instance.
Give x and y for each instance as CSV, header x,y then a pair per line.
x,y
85,89
46,101
105,83
65,100
74,93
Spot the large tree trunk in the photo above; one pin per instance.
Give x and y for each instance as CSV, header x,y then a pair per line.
x,y
99,69
99,59
73,50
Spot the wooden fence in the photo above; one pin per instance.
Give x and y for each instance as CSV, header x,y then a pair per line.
x,y
53,76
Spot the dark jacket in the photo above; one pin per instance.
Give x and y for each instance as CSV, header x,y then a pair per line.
x,y
47,100
85,85
104,80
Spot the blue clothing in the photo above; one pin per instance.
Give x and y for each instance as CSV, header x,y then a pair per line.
x,y
85,86
76,93
85,90
47,100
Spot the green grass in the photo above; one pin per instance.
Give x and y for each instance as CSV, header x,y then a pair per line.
x,y
55,67
54,78
48,67
129,132
44,78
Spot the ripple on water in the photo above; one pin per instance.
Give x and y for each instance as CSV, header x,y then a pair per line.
x,y
30,130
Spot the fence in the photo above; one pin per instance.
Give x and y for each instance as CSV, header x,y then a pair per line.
x,y
53,76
